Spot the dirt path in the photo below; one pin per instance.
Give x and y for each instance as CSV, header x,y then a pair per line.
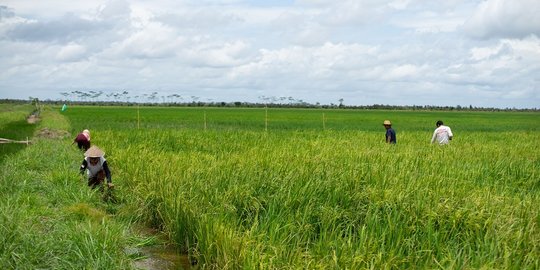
x,y
32,119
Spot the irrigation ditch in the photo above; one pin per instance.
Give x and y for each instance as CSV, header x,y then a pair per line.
x,y
156,253
15,135
152,250
32,119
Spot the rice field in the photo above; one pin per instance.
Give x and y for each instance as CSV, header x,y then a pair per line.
x,y
289,189
319,189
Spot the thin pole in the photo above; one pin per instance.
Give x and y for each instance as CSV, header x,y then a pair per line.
x,y
138,118
265,118
204,120
323,122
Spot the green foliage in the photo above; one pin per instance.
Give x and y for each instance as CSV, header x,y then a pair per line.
x,y
13,126
297,196
279,120
49,219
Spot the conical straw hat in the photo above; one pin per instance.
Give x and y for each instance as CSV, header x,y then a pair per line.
x,y
94,151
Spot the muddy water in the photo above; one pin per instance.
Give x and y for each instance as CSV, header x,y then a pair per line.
x,y
160,256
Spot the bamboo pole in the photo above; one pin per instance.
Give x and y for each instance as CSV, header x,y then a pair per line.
x,y
27,142
265,118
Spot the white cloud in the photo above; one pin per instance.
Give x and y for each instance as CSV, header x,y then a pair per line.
x,y
431,22
403,72
43,9
222,55
152,40
505,18
367,51
71,52
114,9
399,4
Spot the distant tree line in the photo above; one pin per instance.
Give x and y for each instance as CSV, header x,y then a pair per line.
x,y
123,98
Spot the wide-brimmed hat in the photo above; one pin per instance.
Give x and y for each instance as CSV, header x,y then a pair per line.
x,y
94,151
387,123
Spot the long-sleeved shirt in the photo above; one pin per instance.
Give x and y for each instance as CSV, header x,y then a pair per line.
x,y
93,170
83,141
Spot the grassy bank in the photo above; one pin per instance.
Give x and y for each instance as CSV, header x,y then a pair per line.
x,y
13,126
49,218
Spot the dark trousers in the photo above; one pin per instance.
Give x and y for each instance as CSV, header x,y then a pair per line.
x,y
97,180
83,145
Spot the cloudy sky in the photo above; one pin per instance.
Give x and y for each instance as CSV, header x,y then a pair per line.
x,y
400,52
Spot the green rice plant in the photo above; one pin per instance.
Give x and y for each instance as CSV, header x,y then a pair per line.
x,y
299,203
49,219
297,196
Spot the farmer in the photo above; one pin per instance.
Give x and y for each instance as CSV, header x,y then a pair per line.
x,y
83,140
442,134
97,167
390,133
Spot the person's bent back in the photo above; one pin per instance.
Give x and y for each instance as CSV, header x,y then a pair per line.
x,y
83,140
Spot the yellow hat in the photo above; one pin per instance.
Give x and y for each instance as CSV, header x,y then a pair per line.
x,y
387,123
94,151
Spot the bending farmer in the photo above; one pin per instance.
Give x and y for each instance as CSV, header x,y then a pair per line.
x,y
97,167
83,140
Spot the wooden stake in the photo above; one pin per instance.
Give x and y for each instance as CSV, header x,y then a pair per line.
x,y
265,118
138,118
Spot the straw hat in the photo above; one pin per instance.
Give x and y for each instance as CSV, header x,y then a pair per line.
x,y
94,151
387,123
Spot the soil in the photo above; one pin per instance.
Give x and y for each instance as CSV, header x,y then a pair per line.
x,y
52,133
32,119
160,256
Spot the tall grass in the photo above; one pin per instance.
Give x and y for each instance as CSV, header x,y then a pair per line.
x,y
49,219
235,196
13,126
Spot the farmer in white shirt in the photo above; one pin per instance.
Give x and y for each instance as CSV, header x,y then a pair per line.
x,y
97,168
442,134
